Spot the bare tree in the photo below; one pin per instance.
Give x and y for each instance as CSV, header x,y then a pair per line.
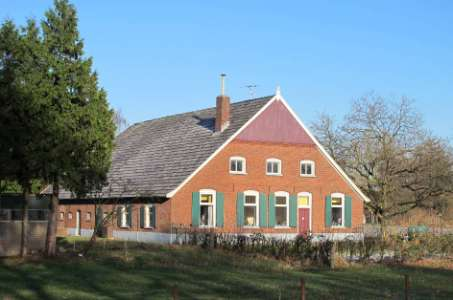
x,y
383,147
120,121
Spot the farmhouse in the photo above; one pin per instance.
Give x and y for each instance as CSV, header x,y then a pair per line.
x,y
244,167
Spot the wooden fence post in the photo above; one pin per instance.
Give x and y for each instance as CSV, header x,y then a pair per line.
x,y
174,293
406,287
302,289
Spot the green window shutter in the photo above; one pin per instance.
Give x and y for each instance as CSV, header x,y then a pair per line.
x,y
153,212
118,216
347,211
292,210
263,210
328,211
219,209
272,210
129,215
195,209
99,215
142,217
240,209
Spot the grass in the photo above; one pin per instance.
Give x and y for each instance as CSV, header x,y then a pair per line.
x,y
153,272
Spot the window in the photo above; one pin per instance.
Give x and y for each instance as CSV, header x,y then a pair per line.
x,y
88,216
207,208
307,168
237,165
337,205
273,166
61,217
281,209
124,216
69,215
303,199
251,208
149,218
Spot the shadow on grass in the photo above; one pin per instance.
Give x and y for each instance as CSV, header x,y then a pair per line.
x,y
152,272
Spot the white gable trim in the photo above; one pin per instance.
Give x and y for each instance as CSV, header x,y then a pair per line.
x,y
320,147
172,193
326,154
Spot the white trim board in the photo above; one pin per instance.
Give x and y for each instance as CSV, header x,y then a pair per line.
x,y
277,97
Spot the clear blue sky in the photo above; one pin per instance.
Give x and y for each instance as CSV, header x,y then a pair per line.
x,y
157,58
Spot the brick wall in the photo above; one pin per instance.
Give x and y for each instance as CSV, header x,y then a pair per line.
x,y
215,175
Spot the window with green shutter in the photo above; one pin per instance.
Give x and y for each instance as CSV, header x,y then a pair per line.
x,y
292,210
219,209
347,211
263,210
240,209
328,210
153,218
195,209
272,210
129,215
142,216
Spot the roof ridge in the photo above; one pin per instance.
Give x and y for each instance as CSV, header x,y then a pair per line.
x,y
197,111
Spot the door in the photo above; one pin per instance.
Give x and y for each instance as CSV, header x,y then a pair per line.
x,y
304,220
78,222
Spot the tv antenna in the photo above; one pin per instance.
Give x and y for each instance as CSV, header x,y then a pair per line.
x,y
252,89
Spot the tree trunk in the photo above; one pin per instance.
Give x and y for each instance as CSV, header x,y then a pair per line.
x,y
51,240
24,231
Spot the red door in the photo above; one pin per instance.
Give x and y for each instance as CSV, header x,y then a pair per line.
x,y
304,220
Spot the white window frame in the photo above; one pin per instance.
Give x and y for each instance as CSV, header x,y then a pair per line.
x,y
313,170
274,160
244,165
286,195
213,194
305,194
124,217
146,215
257,205
69,215
337,195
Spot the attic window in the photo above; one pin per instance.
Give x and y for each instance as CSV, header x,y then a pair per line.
x,y
273,167
307,168
237,165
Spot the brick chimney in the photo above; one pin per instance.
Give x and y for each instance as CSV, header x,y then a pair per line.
x,y
222,118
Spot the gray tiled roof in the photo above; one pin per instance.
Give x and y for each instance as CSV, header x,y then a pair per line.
x,y
152,158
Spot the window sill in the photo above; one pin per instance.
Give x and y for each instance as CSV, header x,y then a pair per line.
x,y
310,176
251,227
238,173
272,174
335,227
282,227
125,227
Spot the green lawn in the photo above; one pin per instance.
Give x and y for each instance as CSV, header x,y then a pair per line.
x,y
152,272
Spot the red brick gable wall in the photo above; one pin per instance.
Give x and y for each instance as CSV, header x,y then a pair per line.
x,y
215,175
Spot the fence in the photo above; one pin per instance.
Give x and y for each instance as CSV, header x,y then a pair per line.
x,y
11,231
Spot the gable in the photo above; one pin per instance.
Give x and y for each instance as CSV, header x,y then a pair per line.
x,y
275,124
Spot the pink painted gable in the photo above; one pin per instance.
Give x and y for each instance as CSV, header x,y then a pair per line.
x,y
275,124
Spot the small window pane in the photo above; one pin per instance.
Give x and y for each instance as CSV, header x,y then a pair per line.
x,y
206,199
269,167
250,216
303,169
88,216
206,215
250,199
233,165
309,169
70,216
280,200
275,170
280,213
337,216
239,165
303,201
336,201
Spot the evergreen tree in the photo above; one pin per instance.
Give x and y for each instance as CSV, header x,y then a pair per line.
x,y
82,129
